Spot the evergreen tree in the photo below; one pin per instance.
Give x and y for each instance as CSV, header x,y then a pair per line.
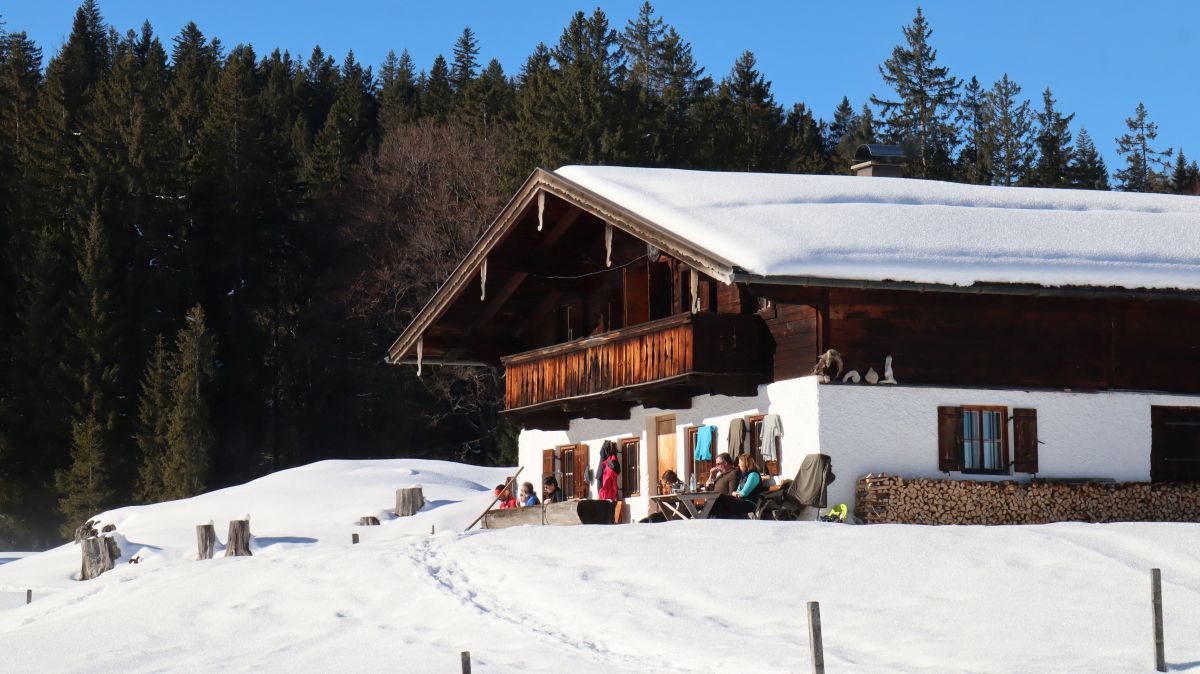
x,y
863,133
1010,133
488,101
189,431
1053,144
806,142
1087,169
154,413
533,117
347,130
84,485
684,87
466,61
642,41
399,98
437,96
1185,178
974,164
1145,167
920,117
320,88
845,122
588,126
751,131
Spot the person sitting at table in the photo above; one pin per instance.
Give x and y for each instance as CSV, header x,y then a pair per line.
x,y
668,482
743,500
723,477
528,498
550,491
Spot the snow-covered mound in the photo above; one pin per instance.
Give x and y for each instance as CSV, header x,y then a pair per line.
x,y
703,596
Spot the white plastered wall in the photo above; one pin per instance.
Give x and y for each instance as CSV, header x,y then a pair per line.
x,y
892,429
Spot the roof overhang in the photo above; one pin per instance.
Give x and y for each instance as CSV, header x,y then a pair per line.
x,y
551,184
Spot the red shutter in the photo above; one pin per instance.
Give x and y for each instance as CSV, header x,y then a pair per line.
x,y
950,438
581,466
1025,442
548,456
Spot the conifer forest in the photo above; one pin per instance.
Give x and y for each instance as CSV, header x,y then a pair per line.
x,y
208,247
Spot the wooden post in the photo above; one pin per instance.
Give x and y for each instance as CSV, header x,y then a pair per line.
x,y
354,539
466,662
28,597
408,501
239,539
814,637
431,530
1160,657
206,540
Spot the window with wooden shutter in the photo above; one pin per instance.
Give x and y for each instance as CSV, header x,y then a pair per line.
x,y
631,478
950,438
566,465
985,439
548,468
581,469
1025,441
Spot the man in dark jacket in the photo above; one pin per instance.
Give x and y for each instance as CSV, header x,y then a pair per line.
x,y
550,491
724,477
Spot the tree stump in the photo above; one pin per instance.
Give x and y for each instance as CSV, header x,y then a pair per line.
x,y
99,553
239,539
206,540
408,501
86,530
368,521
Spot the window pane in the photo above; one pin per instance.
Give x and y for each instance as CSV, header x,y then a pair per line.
x,y
970,440
991,440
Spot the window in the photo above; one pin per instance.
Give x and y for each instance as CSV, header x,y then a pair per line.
x,y
572,470
1174,444
985,439
631,478
754,425
974,439
698,468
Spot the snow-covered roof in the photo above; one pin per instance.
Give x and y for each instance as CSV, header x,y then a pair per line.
x,y
918,231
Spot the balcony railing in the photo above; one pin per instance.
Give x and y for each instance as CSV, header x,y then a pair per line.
x,y
682,349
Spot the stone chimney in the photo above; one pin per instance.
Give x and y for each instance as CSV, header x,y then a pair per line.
x,y
883,161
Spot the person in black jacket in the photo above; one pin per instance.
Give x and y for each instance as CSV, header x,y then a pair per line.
x,y
550,491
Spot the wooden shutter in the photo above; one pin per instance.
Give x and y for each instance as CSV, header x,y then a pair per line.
x,y
1025,442
548,456
630,477
950,439
581,466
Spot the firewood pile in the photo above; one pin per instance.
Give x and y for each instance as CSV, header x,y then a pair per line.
x,y
891,499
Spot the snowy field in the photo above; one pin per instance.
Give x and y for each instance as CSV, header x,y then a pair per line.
x,y
678,597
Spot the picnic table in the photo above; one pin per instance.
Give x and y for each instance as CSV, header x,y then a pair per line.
x,y
683,505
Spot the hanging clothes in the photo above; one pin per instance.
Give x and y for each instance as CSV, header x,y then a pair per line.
x,y
737,436
772,427
704,439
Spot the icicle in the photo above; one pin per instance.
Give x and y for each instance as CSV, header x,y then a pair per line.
x,y
607,245
541,208
420,353
483,280
694,285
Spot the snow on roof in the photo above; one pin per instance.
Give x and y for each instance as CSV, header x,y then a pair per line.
x,y
920,231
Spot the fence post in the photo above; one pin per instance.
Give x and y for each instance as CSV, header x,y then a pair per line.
x,y
431,530
1160,658
466,662
28,597
814,637
354,539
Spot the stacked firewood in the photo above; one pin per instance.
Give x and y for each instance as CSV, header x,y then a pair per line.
x,y
888,498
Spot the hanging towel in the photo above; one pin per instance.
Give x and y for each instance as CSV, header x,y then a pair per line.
x,y
772,428
737,436
704,438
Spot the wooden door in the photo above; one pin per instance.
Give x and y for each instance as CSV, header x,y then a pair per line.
x,y
665,432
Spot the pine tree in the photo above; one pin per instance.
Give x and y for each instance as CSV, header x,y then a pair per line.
x,y
189,431
466,61
844,123
1053,143
1010,133
974,164
84,486
533,117
1145,167
642,41
588,126
437,96
347,130
920,115
684,87
154,410
751,128
806,142
399,98
1185,178
488,101
1087,169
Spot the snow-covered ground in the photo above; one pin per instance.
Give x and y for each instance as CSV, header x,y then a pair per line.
x,y
704,596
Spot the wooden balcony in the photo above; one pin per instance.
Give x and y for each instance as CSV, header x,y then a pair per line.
x,y
662,363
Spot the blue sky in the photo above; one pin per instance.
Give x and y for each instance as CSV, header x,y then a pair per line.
x,y
1100,57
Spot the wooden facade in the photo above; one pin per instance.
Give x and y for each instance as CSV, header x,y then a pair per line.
x,y
592,310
